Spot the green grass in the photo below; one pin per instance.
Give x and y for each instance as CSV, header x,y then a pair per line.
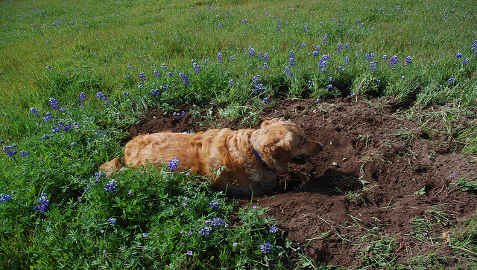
x,y
92,46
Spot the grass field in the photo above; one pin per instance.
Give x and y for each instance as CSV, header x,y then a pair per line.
x,y
74,75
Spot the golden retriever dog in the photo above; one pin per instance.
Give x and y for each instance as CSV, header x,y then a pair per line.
x,y
243,161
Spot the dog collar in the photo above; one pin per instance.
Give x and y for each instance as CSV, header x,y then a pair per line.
x,y
257,155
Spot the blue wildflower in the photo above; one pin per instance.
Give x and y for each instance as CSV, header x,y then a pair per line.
x,y
140,85
329,86
292,54
265,248
130,66
458,55
220,57
157,73
288,71
24,153
33,110
173,164
164,66
292,61
196,67
251,51
111,186
465,61
5,198
126,93
273,229
408,60
184,78
369,56
219,25
265,65
340,47
206,230
451,80
231,82
170,74
54,103
214,204
82,97
265,100
101,96
190,253
145,234
310,84
112,220
155,92
142,76
48,67
394,60
43,203
324,40
305,28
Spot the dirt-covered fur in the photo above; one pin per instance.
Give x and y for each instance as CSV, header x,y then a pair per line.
x,y
241,161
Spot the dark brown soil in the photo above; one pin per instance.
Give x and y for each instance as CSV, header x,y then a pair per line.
x,y
378,171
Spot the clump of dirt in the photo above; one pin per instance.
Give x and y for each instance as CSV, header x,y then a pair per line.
x,y
380,174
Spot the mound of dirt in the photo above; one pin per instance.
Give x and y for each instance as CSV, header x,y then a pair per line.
x,y
377,173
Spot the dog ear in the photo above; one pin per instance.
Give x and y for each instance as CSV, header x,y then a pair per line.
x,y
267,123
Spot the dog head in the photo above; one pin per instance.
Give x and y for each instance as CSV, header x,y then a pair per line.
x,y
279,141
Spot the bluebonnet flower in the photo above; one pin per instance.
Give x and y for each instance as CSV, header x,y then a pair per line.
x,y
189,253
310,84
48,67
315,53
5,198
142,76
164,66
302,44
369,56
305,28
112,220
474,46
340,47
265,57
170,74
256,79
214,204
111,186
258,88
82,96
318,101
157,73
196,67
231,82
184,78
265,65
130,66
173,164
451,80
330,79
408,60
43,203
265,100
402,77
394,60
385,57
55,130
265,248
346,59
219,25
145,234
323,62
234,244
205,231
126,93
288,71
232,58
458,55
244,21
217,222
277,28
325,37
292,61
251,51
465,61
165,86
33,110
45,136
155,92
140,85
346,46
101,96
54,103
127,76
24,153
220,57
372,65
273,229
329,86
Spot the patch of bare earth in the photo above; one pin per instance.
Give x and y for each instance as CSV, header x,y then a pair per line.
x,y
378,171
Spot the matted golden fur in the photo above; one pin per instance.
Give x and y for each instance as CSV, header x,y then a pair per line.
x,y
231,152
